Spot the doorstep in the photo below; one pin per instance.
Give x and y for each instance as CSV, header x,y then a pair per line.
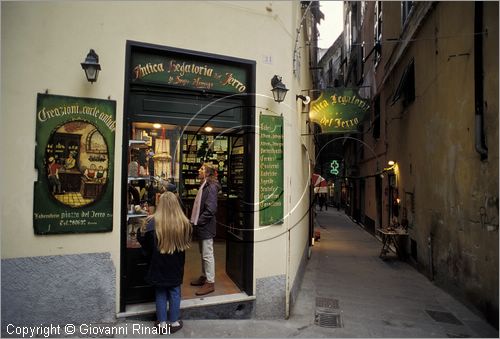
x,y
150,308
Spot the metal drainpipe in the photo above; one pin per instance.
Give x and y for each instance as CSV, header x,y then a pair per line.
x,y
478,81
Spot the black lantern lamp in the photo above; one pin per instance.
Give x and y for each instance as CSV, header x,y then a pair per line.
x,y
91,66
279,89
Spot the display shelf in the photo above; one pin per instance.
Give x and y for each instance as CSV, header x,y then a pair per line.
x,y
132,216
139,178
216,147
236,180
138,144
136,215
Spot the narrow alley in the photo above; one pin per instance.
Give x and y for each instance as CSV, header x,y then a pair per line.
x,y
377,298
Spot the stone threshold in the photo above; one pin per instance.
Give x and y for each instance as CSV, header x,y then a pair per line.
x,y
150,308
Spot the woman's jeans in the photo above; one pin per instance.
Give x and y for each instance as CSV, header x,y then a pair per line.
x,y
173,296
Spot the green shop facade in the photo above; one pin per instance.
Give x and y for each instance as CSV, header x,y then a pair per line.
x,y
184,108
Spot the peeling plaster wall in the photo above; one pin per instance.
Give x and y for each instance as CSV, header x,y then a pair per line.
x,y
456,194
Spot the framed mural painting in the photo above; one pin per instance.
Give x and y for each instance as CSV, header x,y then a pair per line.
x,y
74,157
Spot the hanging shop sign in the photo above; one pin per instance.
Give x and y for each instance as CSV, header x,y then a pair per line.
x,y
74,156
186,73
271,170
339,110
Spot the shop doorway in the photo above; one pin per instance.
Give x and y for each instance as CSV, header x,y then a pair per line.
x,y
183,108
164,156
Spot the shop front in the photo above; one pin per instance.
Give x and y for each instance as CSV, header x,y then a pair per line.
x,y
183,109
86,159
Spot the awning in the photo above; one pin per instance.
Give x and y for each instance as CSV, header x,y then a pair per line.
x,y
319,183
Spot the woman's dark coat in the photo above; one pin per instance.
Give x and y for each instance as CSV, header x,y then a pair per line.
x,y
165,270
206,227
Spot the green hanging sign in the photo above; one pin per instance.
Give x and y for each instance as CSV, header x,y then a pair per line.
x,y
271,170
74,156
339,110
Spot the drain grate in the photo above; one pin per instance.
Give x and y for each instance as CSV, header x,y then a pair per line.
x,y
327,319
457,335
444,317
327,313
327,303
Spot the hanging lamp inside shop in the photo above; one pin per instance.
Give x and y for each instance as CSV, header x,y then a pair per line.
x,y
162,156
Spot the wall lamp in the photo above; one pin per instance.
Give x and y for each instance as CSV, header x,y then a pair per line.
x,y
306,99
91,66
391,164
279,89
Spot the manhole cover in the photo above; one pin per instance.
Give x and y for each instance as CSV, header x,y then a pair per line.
x,y
444,317
327,303
327,319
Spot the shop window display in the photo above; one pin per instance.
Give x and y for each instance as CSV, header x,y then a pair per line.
x,y
170,157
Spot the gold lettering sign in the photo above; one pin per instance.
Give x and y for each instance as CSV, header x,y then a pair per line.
x,y
339,110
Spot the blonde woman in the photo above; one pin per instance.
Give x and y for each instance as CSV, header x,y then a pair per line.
x,y
166,235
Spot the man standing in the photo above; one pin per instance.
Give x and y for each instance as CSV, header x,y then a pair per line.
x,y
53,175
204,226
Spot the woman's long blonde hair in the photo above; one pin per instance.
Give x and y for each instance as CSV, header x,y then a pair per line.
x,y
172,227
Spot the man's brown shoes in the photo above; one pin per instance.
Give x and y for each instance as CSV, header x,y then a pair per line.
x,y
206,289
199,282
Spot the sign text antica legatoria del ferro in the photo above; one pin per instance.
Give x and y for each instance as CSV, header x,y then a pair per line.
x,y
188,74
339,110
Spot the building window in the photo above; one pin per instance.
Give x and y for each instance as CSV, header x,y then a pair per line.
x,y
406,87
378,31
376,118
359,62
406,7
361,147
354,24
347,36
363,10
330,73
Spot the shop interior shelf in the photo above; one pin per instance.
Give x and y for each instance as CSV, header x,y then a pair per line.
x,y
130,216
138,178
